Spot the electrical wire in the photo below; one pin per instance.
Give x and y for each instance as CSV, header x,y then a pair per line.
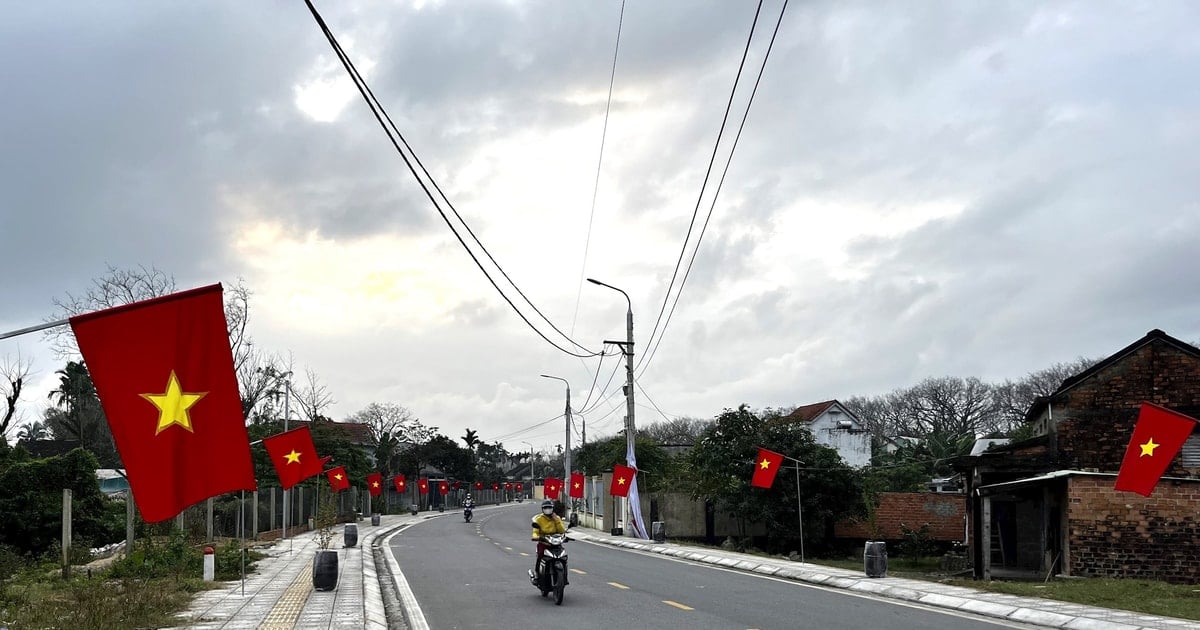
x,y
385,120
654,342
647,356
599,162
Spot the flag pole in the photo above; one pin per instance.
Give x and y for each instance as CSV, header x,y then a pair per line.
x,y
34,328
799,508
242,536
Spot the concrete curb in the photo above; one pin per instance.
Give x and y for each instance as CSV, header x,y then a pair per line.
x,y
1029,610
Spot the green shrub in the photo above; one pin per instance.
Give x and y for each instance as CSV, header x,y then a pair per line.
x,y
917,543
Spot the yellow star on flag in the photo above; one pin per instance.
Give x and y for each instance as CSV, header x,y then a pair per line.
x,y
173,405
375,484
338,476
576,485
1148,448
620,481
292,458
764,464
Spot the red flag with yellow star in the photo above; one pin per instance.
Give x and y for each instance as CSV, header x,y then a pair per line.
x,y
163,371
551,487
338,479
423,486
399,482
294,456
576,491
766,465
621,479
443,488
1157,438
375,484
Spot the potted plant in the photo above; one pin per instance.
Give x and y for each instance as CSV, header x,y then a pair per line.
x,y
325,562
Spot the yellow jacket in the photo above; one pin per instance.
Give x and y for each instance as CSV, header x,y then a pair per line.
x,y
545,525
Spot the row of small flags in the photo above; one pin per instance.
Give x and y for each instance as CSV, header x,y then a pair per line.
x,y
163,370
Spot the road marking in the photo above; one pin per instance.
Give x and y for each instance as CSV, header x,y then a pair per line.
x,y
508,548
620,586
524,554
578,571
677,605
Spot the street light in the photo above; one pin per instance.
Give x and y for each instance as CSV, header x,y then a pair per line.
x,y
567,452
531,475
633,504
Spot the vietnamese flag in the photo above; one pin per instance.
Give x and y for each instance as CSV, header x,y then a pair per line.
x,y
508,486
1157,438
423,486
443,488
576,491
552,487
622,478
765,466
457,485
163,371
294,456
495,486
398,481
338,479
375,484
520,487
479,485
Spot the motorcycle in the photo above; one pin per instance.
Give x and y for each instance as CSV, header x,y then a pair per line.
x,y
467,511
551,576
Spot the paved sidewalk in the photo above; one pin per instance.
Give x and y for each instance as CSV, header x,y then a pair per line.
x,y
1031,610
279,593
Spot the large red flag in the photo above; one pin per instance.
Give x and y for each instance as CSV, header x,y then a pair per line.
x,y
398,480
766,465
1157,438
294,456
443,488
164,373
479,485
576,491
621,479
423,486
338,479
375,484
495,486
552,486
508,485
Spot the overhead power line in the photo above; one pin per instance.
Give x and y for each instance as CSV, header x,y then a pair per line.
x,y
410,158
654,342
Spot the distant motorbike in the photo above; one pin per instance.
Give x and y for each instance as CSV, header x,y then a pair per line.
x,y
551,576
467,511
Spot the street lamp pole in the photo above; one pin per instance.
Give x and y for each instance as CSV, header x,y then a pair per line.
x,y
567,451
633,505
532,477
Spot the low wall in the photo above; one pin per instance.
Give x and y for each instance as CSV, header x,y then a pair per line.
x,y
945,513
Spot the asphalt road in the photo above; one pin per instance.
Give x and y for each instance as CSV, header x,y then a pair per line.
x,y
473,575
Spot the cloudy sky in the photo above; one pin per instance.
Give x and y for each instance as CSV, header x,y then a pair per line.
x,y
921,189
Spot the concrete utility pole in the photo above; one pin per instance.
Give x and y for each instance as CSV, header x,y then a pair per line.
x,y
567,452
633,509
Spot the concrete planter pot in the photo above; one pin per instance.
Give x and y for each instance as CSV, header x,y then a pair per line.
x,y
350,535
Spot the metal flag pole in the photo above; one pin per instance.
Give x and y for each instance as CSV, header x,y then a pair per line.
x,y
242,535
799,508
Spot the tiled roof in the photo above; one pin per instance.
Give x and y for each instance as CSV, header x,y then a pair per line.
x,y
808,412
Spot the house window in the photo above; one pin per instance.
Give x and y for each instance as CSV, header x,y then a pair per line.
x,y
1191,451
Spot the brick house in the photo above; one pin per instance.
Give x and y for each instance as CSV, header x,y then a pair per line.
x,y
1047,504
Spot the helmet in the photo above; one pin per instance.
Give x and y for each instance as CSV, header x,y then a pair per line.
x,y
468,497
547,504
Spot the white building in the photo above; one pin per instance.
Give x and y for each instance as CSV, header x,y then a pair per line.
x,y
834,426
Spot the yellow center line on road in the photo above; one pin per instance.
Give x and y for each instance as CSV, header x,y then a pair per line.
x,y
578,571
524,554
508,548
677,605
619,585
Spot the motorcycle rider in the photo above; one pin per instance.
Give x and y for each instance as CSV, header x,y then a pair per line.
x,y
468,503
545,524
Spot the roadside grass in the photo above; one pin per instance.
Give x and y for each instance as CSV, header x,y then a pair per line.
x,y
1155,598
146,590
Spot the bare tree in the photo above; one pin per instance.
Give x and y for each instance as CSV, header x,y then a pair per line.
x,y
312,397
120,286
260,378
385,418
677,431
13,375
1013,398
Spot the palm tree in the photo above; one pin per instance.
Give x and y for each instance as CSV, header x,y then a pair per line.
x,y
471,438
33,432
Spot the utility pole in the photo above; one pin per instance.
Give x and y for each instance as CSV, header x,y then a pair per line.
x,y
567,452
633,507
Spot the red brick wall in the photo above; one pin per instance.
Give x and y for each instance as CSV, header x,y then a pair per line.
x,y
1098,419
943,512
1120,534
